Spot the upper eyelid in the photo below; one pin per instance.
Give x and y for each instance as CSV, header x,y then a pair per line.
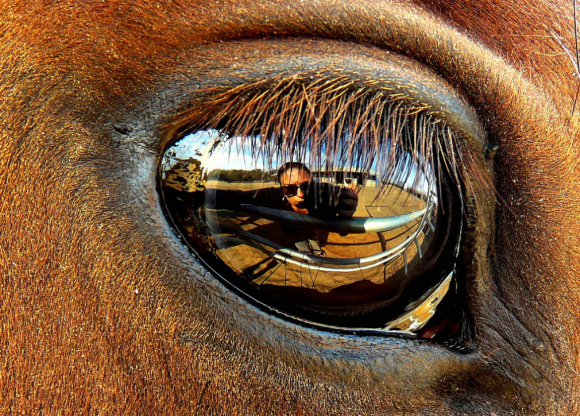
x,y
310,60
299,70
322,61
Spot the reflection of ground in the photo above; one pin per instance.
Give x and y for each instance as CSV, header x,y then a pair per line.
x,y
263,270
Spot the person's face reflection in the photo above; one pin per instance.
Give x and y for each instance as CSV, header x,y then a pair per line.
x,y
294,183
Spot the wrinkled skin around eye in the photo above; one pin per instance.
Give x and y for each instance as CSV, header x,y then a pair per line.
x,y
104,311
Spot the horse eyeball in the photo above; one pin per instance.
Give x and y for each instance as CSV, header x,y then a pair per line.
x,y
342,232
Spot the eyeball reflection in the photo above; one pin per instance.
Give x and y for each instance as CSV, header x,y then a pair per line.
x,y
338,232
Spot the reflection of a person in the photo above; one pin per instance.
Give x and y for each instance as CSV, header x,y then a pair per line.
x,y
296,182
298,193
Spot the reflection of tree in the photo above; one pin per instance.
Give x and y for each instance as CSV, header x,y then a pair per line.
x,y
241,175
186,175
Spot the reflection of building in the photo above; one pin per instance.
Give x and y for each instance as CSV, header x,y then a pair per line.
x,y
350,177
419,184
185,176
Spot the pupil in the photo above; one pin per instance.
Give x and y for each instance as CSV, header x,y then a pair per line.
x,y
334,237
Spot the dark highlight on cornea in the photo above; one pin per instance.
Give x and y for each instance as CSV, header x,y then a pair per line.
x,y
333,123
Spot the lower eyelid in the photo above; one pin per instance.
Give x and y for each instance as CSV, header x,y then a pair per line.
x,y
265,107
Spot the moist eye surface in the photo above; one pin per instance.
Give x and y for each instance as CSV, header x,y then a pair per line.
x,y
330,201
343,229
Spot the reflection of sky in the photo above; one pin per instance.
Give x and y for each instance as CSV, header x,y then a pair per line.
x,y
198,145
247,154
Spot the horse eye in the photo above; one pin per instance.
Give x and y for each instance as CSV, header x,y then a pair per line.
x,y
342,230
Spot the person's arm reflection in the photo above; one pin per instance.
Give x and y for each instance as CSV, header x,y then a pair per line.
x,y
297,192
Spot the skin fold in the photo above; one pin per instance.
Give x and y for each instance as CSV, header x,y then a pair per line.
x,y
104,311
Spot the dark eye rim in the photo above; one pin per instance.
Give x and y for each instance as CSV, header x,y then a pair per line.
x,y
478,141
368,324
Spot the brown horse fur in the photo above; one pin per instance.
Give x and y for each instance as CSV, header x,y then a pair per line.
x,y
103,311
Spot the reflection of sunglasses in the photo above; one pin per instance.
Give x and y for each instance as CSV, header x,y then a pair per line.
x,y
291,190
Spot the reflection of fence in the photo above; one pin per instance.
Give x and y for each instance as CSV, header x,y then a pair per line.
x,y
335,224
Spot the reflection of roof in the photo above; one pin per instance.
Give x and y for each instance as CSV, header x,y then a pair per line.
x,y
345,170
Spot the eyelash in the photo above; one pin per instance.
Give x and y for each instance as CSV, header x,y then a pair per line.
x,y
324,115
285,110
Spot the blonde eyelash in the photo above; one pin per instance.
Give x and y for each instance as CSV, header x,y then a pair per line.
x,y
290,113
